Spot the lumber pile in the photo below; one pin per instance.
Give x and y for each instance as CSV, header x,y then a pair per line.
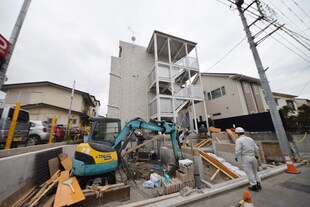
x,y
57,182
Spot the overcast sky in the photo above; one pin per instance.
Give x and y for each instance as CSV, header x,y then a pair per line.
x,y
66,40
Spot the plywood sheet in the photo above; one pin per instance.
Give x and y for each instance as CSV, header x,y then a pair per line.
x,y
64,195
53,165
67,163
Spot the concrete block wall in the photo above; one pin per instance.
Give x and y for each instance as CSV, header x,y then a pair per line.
x,y
17,174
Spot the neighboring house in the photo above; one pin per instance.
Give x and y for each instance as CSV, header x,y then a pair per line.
x,y
44,99
159,82
299,102
231,94
282,99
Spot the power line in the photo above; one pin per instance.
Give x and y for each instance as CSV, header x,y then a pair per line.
x,y
226,54
284,15
289,8
301,9
303,88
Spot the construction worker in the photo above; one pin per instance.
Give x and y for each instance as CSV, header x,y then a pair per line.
x,y
247,149
202,131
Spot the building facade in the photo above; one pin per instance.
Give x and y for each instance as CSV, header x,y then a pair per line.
x,y
231,94
44,99
160,82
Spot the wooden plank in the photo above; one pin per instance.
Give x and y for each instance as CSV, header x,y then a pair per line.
x,y
25,197
232,135
45,186
202,143
50,201
53,165
217,139
39,193
141,145
213,176
213,129
67,163
64,195
54,177
34,203
218,165
62,156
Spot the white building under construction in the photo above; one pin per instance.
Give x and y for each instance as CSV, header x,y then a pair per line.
x,y
160,82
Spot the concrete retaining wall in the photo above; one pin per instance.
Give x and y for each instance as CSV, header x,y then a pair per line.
x,y
18,172
303,142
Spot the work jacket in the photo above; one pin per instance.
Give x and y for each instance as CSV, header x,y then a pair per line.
x,y
245,146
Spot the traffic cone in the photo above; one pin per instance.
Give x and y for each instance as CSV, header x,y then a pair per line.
x,y
247,199
290,166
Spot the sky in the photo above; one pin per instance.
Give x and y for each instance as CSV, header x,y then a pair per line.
x,y
63,41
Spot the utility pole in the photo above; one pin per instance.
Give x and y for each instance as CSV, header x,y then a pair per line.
x,y
13,39
69,113
275,116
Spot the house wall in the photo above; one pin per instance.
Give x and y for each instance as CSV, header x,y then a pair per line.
x,y
44,94
231,104
55,96
128,92
43,113
282,101
300,102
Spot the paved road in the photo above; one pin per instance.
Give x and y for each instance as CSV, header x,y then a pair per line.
x,y
282,190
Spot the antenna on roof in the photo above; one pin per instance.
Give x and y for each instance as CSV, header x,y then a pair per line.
x,y
133,38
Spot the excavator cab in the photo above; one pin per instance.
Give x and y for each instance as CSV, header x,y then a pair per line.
x,y
104,130
98,156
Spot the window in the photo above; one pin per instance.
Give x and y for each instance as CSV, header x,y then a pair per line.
x,y
74,121
217,93
23,116
290,104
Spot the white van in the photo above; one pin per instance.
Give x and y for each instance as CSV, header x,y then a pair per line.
x,y
22,126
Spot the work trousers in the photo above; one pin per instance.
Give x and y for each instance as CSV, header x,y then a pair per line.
x,y
249,164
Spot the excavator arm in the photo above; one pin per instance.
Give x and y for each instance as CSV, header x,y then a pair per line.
x,y
162,127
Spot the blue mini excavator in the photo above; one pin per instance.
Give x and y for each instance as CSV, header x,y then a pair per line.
x,y
101,155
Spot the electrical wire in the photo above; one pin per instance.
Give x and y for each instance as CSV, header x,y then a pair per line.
x,y
284,15
303,88
226,54
301,9
289,8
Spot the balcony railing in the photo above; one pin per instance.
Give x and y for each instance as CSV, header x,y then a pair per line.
x,y
188,62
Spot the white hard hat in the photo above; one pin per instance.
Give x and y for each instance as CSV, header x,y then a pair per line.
x,y
239,130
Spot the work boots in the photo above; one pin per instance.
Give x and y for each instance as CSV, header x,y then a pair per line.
x,y
259,187
253,188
